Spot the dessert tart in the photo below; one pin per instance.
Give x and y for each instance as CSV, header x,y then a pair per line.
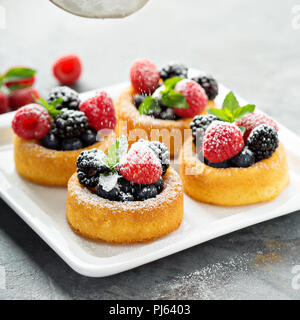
x,y
159,105
125,197
50,135
234,157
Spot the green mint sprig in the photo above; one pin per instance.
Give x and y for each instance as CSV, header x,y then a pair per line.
x,y
169,97
15,74
231,109
52,107
115,153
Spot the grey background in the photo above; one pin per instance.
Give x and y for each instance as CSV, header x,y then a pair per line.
x,y
248,45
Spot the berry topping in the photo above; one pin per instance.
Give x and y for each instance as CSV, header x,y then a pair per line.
x,y
222,141
195,96
174,69
138,100
100,111
199,126
244,159
69,96
22,97
19,77
90,164
253,120
263,141
31,122
147,192
3,103
67,69
144,76
162,152
51,142
140,165
89,137
69,124
71,144
209,84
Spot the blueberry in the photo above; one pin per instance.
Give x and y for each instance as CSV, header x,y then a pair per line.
x,y
138,100
147,192
126,197
244,159
51,142
89,137
219,165
113,195
159,185
71,144
126,186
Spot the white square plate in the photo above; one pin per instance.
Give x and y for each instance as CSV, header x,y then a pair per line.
x,y
43,209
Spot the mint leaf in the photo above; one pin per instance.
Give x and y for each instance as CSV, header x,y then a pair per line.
x,y
231,110
230,102
171,83
240,112
18,73
173,99
148,105
220,114
108,181
51,108
117,150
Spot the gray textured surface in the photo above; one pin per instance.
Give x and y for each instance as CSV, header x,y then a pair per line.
x,y
250,46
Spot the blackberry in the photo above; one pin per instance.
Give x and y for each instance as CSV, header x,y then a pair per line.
x,y
147,192
199,125
89,137
69,124
138,100
209,84
244,159
51,142
263,141
174,69
70,97
71,144
162,153
89,167
167,114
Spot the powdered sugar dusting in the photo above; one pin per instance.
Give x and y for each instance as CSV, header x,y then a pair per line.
x,y
83,196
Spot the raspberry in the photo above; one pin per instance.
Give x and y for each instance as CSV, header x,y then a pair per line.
x,y
22,97
28,82
31,122
100,111
3,103
141,165
195,97
253,120
144,76
222,141
67,69
70,97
